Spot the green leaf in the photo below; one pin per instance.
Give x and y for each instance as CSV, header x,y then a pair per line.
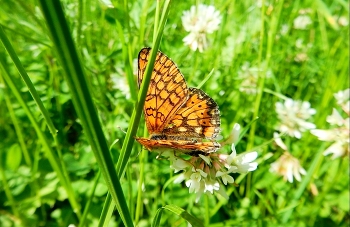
x,y
14,157
195,222
343,201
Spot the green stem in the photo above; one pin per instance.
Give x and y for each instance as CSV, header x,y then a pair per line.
x,y
88,203
27,80
6,188
44,141
82,100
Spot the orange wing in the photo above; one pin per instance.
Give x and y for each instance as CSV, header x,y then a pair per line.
x,y
199,117
167,90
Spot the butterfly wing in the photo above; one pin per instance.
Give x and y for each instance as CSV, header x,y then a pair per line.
x,y
166,93
185,146
199,117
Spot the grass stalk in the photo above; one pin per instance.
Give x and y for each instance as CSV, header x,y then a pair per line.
x,y
42,138
82,100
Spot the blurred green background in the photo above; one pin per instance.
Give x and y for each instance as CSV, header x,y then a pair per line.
x,y
255,39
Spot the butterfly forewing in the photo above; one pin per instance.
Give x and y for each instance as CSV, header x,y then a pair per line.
x,y
167,90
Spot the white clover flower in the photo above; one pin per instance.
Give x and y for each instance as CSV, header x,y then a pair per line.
x,y
340,135
204,19
120,83
250,76
335,118
299,43
194,184
293,116
199,22
225,177
107,3
206,159
234,135
302,22
337,149
181,177
343,98
211,186
279,141
288,167
135,67
284,29
196,41
259,3
305,11
207,173
301,57
343,21
179,164
243,162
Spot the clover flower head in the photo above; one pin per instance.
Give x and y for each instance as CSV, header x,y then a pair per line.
x,y
120,83
302,22
293,116
207,173
250,76
289,167
339,134
200,21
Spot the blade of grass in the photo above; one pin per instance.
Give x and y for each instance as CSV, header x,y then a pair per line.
x,y
262,76
50,154
139,186
7,190
88,203
19,133
136,114
135,117
82,100
127,62
27,80
44,112
184,214
143,20
107,211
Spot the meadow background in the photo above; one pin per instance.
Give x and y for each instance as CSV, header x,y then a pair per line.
x,y
258,57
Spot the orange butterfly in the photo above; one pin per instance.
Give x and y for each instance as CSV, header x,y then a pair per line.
x,y
177,117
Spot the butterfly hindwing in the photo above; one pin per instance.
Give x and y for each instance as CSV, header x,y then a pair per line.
x,y
199,117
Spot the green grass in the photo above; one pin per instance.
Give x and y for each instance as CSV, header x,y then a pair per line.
x,y
64,156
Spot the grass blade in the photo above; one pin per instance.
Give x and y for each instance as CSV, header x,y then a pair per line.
x,y
82,100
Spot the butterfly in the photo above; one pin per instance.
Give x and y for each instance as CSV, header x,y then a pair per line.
x,y
177,117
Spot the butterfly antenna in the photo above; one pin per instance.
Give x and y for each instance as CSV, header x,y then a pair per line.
x,y
121,129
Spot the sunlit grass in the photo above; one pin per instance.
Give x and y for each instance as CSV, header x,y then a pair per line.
x,y
256,58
